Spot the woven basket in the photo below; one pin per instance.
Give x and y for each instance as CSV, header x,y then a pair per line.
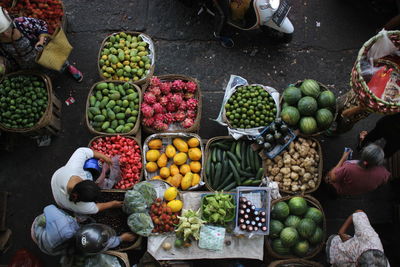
x,y
320,169
122,257
323,88
134,130
195,127
47,116
295,263
312,202
151,45
360,87
141,152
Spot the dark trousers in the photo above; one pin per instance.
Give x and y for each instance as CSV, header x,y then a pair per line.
x,y
222,12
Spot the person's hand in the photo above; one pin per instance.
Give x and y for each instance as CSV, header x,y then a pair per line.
x,y
108,161
363,134
117,204
39,44
128,237
344,237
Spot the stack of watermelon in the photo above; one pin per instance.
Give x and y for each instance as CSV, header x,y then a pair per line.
x,y
295,228
308,107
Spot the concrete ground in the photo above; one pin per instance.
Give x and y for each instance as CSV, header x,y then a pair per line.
x,y
328,35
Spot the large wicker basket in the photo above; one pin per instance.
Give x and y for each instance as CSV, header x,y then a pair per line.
x,y
134,130
195,127
295,263
151,47
312,202
359,85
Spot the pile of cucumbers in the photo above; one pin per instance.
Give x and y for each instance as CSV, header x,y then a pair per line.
x,y
232,163
113,107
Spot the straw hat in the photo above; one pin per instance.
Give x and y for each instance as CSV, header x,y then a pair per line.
x,y
5,20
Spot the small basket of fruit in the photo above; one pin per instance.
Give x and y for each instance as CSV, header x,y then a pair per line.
x,y
309,106
176,158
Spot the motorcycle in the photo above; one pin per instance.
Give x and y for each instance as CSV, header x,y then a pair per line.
x,y
261,14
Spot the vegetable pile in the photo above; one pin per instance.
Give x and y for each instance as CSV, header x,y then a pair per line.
x,y
232,163
130,160
23,101
50,11
218,208
163,217
189,225
297,169
113,107
308,107
249,107
295,227
179,163
125,57
169,104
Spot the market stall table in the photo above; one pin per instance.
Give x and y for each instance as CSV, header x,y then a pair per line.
x,y
240,247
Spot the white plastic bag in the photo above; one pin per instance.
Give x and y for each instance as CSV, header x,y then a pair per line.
x,y
382,47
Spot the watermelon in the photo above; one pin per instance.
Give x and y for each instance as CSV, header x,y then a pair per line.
x,y
307,106
279,248
298,206
290,115
289,237
308,125
310,88
280,211
324,118
275,228
326,99
301,248
306,228
314,214
284,105
292,95
292,220
317,237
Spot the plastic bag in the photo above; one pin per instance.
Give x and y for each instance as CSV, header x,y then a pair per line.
x,y
140,223
378,82
24,258
114,177
382,47
134,202
102,260
147,190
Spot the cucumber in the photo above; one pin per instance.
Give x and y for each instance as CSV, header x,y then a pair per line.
x,y
219,154
246,174
208,165
232,157
256,161
247,182
221,146
232,149
251,160
235,172
260,173
256,182
223,156
228,180
230,186
237,150
248,151
211,177
225,169
214,155
217,176
243,148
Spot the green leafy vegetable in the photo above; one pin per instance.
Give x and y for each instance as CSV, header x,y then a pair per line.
x,y
218,208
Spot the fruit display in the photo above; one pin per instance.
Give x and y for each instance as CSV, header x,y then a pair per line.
x,y
308,106
163,216
51,11
298,169
175,159
296,228
250,106
113,107
231,163
23,101
189,225
130,161
126,57
218,208
170,104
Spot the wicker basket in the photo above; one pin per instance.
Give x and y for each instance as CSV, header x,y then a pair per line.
x,y
50,118
141,152
324,88
171,136
195,127
295,263
360,87
134,130
320,170
122,257
207,154
151,47
314,202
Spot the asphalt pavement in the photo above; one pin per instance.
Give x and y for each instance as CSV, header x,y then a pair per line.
x,y
328,35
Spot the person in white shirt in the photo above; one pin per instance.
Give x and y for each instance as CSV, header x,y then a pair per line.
x,y
73,188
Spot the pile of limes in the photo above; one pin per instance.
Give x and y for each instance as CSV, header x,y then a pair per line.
x,y
249,107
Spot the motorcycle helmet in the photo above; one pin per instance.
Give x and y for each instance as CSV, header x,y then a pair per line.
x,y
92,238
93,166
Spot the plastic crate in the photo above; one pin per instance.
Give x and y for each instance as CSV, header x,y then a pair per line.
x,y
263,205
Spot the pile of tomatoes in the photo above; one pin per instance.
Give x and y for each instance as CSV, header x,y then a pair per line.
x,y
50,11
130,160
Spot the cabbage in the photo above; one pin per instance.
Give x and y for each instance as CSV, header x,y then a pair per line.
x,y
140,223
134,202
148,192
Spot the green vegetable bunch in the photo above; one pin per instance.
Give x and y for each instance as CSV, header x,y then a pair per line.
x,y
218,208
189,224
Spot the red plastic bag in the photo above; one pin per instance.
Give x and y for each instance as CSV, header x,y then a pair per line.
x,y
24,258
378,82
